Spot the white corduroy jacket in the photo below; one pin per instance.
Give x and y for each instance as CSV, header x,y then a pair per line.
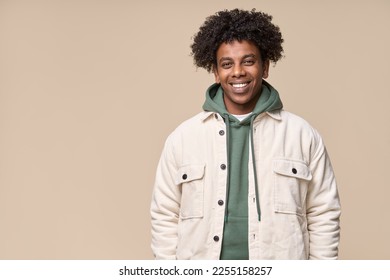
x,y
299,201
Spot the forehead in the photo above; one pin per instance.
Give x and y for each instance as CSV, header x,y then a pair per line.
x,y
237,49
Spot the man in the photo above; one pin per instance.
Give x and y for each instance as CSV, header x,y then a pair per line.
x,y
243,179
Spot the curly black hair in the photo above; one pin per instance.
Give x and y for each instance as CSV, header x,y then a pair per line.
x,y
236,25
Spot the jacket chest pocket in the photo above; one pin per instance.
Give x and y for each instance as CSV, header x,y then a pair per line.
x,y
290,186
190,177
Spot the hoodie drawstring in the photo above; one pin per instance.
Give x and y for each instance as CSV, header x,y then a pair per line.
x,y
254,169
227,124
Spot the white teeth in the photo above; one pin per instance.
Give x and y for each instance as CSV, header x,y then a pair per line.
x,y
239,85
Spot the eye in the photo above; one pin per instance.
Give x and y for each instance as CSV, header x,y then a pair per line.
x,y
249,62
226,64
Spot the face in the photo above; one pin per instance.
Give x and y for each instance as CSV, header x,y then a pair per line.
x,y
240,71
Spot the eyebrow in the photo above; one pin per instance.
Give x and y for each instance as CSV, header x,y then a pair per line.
x,y
244,57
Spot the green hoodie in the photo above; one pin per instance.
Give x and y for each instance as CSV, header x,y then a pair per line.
x,y
235,233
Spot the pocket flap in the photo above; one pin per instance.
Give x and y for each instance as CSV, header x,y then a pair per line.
x,y
292,168
189,172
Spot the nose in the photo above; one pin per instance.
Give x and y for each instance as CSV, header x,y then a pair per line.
x,y
238,70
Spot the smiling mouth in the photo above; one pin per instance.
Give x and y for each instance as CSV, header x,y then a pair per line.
x,y
240,85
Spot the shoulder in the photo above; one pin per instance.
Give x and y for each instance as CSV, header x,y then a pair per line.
x,y
300,126
292,118
192,123
295,128
196,120
191,126
296,123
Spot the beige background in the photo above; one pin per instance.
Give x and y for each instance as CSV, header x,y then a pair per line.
x,y
89,90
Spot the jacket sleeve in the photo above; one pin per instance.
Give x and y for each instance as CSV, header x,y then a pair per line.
x,y
323,206
165,206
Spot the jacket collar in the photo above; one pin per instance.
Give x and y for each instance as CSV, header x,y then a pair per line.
x,y
206,115
273,114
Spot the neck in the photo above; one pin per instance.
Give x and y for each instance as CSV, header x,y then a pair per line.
x,y
240,109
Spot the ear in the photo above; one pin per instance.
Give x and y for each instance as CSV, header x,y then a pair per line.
x,y
216,75
265,69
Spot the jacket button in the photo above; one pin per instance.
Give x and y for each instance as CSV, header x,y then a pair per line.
x,y
223,166
294,171
216,238
221,132
220,202
184,176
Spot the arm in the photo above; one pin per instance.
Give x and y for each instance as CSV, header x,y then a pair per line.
x,y
323,207
165,206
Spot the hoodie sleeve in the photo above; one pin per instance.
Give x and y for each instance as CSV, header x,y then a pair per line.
x,y
165,206
323,206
